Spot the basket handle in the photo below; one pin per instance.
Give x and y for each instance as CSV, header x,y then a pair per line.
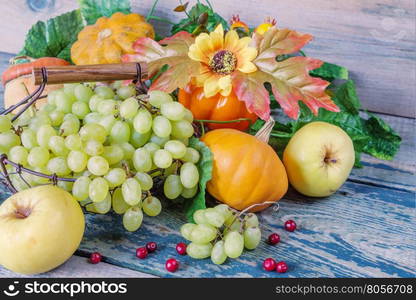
x,y
88,73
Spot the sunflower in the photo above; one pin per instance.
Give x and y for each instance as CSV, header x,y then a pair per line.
x,y
220,57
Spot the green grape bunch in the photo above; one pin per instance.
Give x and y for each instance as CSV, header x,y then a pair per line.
x,y
115,143
220,232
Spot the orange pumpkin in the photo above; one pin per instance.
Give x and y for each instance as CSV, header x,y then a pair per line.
x,y
18,81
246,170
109,38
218,108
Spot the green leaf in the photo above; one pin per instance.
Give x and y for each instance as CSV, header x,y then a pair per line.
x,y
330,72
190,24
93,9
384,142
369,135
54,37
205,173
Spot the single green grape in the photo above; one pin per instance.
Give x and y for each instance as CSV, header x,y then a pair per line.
x,y
233,244
93,117
105,92
203,234
188,116
251,220
115,177
138,139
63,102
158,140
176,148
189,175
132,192
28,137
38,156
218,255
162,159
101,207
44,134
107,107
125,92
252,237
80,109
186,230
98,189
57,165
189,193
151,148
172,187
182,129
119,205
173,111
19,154
225,210
113,154
93,102
57,145
93,131
161,126
133,218
214,217
199,251
142,160
83,93
152,206
199,217
107,122
80,189
98,165
145,180
73,142
69,126
77,160
93,148
56,117
128,150
120,132
143,121
192,155
129,108
157,98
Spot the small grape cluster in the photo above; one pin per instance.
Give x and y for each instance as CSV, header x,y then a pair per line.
x,y
116,143
221,232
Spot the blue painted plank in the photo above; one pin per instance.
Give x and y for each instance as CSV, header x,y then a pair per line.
x,y
361,231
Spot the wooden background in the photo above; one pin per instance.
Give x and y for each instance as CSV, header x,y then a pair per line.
x,y
375,39
366,229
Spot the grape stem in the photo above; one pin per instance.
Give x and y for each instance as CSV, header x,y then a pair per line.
x,y
255,205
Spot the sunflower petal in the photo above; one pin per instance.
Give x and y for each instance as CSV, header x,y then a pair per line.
x,y
211,86
231,40
247,67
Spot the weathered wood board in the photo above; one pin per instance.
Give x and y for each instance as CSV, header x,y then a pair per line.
x,y
367,229
374,39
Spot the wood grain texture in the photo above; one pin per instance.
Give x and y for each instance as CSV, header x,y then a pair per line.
x,y
374,39
79,267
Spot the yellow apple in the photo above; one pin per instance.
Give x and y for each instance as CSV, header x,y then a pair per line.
x,y
318,159
40,228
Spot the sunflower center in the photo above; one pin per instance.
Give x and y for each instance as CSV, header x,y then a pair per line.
x,y
223,62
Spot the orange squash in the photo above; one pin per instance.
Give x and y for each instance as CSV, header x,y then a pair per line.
x,y
246,170
109,38
218,108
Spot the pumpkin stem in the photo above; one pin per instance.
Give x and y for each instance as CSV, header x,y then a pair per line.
x,y
264,133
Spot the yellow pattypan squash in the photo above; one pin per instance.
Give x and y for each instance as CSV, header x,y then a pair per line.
x,y
109,38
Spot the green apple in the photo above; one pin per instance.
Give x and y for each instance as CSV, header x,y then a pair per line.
x,y
40,228
318,159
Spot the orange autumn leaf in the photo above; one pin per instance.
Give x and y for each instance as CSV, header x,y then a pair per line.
x,y
174,54
290,79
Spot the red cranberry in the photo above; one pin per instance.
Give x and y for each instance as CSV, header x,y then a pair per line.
x,y
269,264
95,258
281,267
181,248
290,225
141,252
274,238
151,247
172,265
